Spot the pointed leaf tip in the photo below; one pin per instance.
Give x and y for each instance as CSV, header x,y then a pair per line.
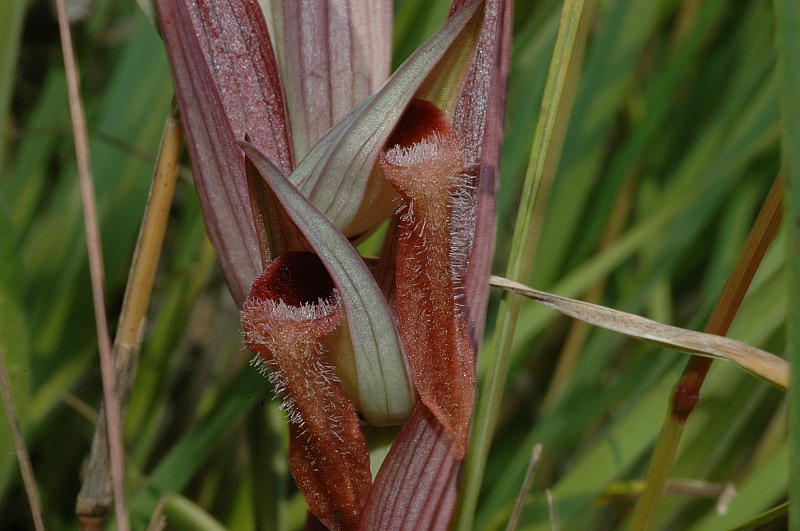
x,y
382,391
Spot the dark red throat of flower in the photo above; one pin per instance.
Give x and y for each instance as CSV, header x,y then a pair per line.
x,y
421,120
296,278
292,307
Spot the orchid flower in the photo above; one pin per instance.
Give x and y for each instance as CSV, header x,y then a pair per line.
x,y
301,147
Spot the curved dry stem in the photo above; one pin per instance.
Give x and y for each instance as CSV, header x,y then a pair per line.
x,y
25,467
94,247
95,495
687,390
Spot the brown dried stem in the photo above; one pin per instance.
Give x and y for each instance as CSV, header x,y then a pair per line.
x,y
95,495
25,467
94,247
687,391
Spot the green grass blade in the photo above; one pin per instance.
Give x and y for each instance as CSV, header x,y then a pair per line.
x,y
787,16
614,453
762,487
14,347
604,85
545,154
182,514
185,458
764,518
11,17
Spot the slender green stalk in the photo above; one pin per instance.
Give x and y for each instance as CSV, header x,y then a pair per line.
x,y
545,153
663,457
687,391
764,518
536,455
268,472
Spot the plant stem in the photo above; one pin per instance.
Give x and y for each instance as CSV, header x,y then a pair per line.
x,y
686,392
93,499
94,246
25,467
545,153
787,24
536,455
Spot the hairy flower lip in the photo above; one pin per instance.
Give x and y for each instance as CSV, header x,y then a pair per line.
x,y
426,167
293,306
416,487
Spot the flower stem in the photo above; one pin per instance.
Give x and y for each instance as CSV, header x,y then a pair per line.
x,y
687,391
545,153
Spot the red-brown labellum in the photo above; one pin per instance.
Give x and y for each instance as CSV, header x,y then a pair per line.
x,y
427,169
292,306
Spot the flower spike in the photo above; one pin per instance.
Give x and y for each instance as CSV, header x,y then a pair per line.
x,y
340,349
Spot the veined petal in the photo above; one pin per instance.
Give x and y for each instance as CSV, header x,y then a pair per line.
x,y
338,173
385,394
478,122
416,486
332,54
226,82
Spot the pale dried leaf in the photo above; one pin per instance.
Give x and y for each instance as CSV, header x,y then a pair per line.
x,y
762,364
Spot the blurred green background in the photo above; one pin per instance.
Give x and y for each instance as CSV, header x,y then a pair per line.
x,y
673,143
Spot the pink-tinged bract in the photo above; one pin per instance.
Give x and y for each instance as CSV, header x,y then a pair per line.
x,y
227,85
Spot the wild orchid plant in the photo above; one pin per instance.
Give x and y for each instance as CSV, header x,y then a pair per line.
x,y
301,148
